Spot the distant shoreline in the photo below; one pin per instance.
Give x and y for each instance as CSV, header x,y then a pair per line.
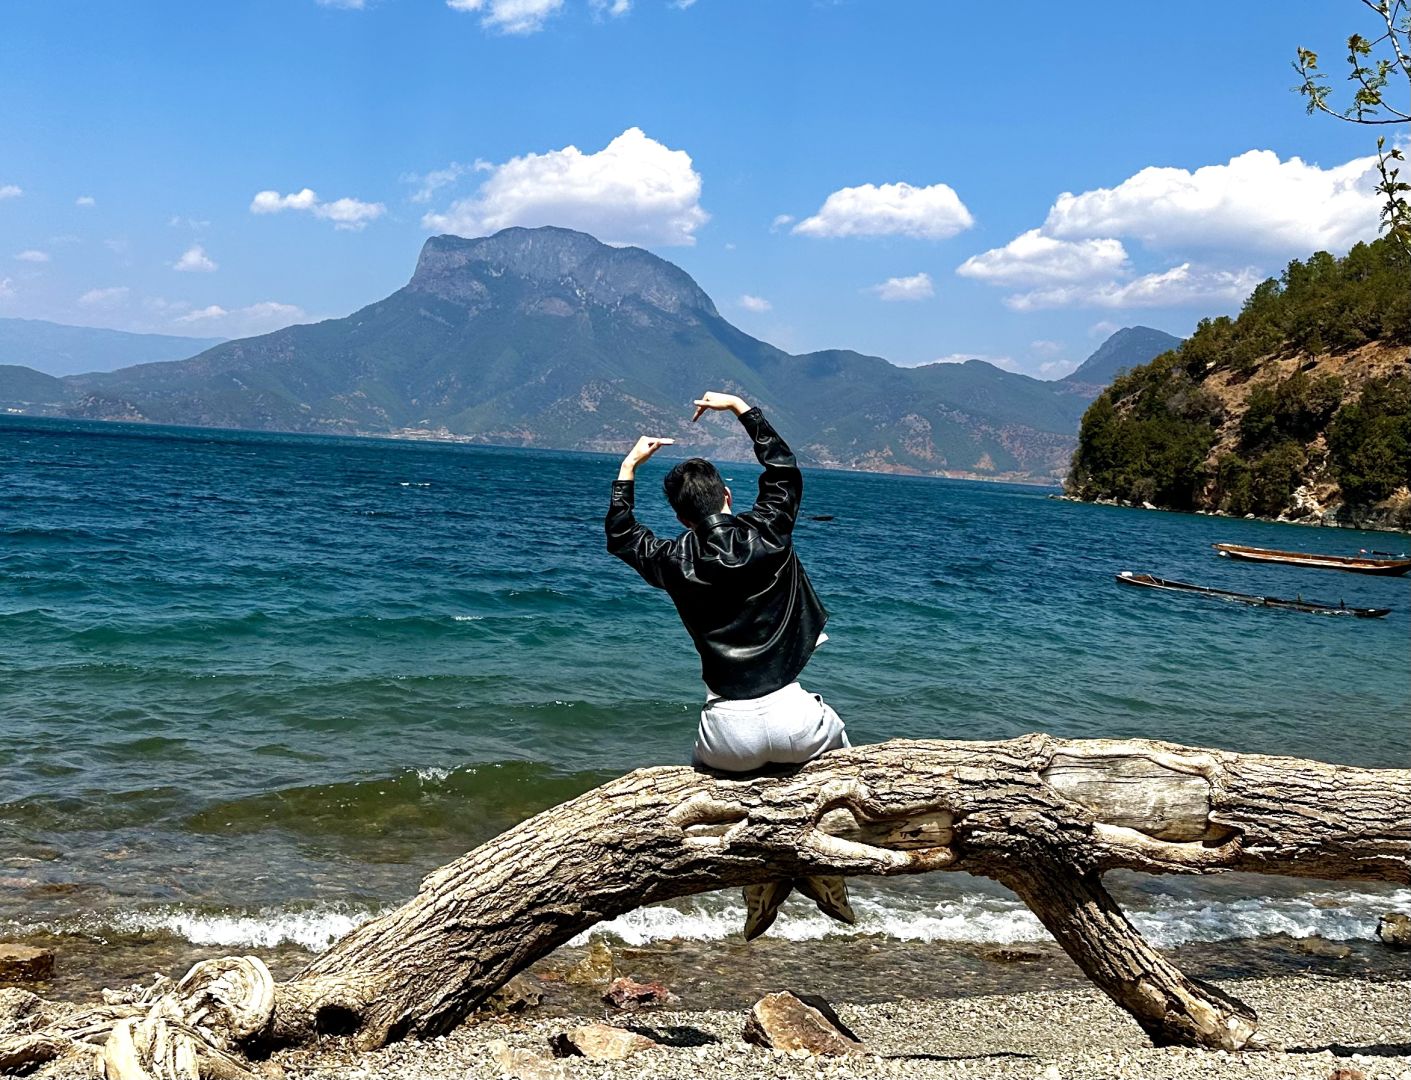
x,y
418,435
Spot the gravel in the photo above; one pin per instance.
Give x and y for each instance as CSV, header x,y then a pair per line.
x,y
1323,1025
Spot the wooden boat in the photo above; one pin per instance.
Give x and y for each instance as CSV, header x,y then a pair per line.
x,y
1312,607
1355,564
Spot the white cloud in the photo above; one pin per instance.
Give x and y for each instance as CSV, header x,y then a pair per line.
x,y
346,5
930,213
612,7
176,221
1180,285
109,297
1103,328
261,318
10,191
1046,348
915,287
780,221
435,180
345,213
682,5
1255,203
1032,259
85,200
349,213
272,202
1056,369
6,288
1226,225
195,260
755,303
510,16
33,256
634,190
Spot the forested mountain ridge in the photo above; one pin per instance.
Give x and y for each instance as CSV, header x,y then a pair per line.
x,y
1127,348
1299,408
546,337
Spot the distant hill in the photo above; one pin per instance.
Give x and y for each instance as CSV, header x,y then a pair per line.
x,y
1300,408
1129,347
56,349
546,337
22,385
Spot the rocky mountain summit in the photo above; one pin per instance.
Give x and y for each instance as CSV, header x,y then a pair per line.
x,y
560,272
548,338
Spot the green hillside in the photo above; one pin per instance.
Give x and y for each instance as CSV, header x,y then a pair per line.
x,y
1299,407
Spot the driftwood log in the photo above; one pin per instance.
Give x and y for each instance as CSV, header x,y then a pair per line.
x,y
1045,817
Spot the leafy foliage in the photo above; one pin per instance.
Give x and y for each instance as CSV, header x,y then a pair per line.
x,y
1369,74
1154,448
1369,441
1296,408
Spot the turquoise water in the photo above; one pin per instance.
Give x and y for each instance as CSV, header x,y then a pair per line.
x,y
253,687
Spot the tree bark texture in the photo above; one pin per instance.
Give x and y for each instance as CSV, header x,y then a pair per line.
x,y
1046,817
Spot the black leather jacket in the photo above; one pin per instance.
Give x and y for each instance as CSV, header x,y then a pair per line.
x,y
735,579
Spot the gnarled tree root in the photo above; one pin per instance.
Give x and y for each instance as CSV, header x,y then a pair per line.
x,y
1045,817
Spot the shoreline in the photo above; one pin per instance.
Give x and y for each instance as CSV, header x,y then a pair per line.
x,y
1315,523
1321,1025
730,974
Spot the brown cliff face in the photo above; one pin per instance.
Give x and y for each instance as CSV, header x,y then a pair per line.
x,y
1318,499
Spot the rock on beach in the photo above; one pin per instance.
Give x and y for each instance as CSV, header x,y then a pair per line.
x,y
600,1042
794,1022
1394,929
25,963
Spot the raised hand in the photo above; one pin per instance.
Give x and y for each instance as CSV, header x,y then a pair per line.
x,y
646,446
713,400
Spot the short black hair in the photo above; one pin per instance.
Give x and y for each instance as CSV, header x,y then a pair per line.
x,y
694,489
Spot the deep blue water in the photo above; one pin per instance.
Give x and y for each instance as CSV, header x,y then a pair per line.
x,y
255,685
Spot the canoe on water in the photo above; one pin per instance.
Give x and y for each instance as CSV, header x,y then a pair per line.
x,y
1150,581
1355,564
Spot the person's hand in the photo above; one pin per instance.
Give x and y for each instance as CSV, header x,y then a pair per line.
x,y
712,400
646,446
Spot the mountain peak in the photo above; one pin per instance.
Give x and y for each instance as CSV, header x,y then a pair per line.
x,y
570,268
1127,348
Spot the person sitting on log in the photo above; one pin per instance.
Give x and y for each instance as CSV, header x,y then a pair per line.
x,y
752,613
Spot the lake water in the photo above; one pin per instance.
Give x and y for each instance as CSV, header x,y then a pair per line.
x,y
253,687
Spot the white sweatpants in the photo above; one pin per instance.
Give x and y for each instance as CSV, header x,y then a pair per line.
x,y
786,727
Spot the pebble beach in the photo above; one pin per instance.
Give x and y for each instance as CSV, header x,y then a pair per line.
x,y
1322,1025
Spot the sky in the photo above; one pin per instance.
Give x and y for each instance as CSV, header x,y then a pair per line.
x,y
920,180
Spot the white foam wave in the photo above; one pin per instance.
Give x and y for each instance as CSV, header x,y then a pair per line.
x,y
314,929
467,618
412,483
433,774
1167,922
